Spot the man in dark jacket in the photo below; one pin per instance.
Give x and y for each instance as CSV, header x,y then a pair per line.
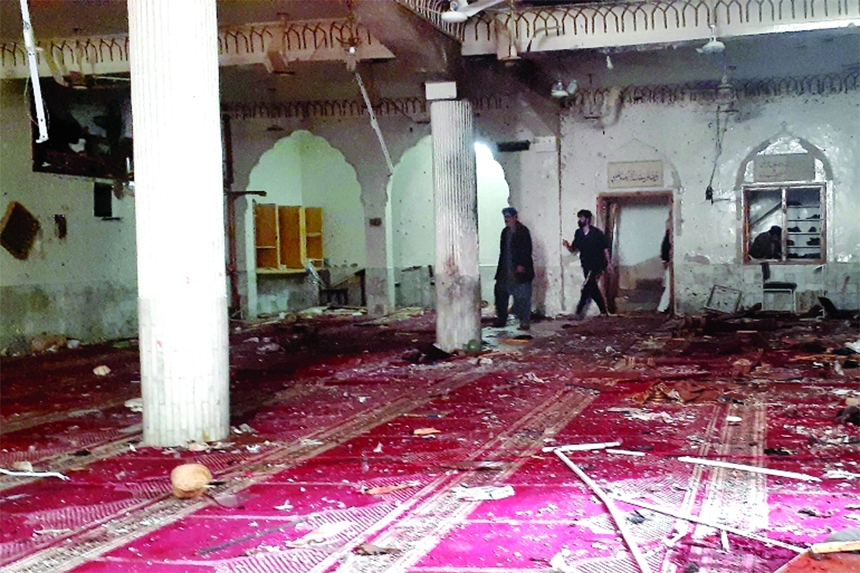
x,y
515,271
594,256
767,245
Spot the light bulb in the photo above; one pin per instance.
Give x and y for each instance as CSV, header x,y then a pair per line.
x,y
558,90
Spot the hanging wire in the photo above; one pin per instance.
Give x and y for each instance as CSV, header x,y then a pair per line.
x,y
709,192
375,124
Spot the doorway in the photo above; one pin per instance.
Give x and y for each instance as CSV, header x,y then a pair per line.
x,y
636,224
412,244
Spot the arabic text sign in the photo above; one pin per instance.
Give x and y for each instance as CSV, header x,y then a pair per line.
x,y
784,167
635,174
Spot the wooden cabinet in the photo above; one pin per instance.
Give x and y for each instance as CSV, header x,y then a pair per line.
x,y
287,238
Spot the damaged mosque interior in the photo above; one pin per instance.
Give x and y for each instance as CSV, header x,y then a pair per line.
x,y
258,258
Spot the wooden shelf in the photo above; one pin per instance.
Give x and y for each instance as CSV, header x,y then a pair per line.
x,y
263,271
287,237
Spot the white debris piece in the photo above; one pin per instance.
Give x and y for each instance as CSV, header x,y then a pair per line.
x,y
134,404
321,534
483,493
269,348
33,474
559,562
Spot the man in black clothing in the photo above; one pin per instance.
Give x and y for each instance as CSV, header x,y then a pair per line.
x,y
515,271
666,256
594,256
767,245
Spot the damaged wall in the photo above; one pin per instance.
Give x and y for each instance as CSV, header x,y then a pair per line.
x,y
351,135
413,224
533,178
82,285
303,169
708,236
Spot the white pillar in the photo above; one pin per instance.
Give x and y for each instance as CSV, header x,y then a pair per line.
x,y
458,283
182,295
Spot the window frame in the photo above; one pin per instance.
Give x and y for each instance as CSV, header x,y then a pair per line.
x,y
786,222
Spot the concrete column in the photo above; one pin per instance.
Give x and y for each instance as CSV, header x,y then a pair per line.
x,y
458,283
182,294
376,279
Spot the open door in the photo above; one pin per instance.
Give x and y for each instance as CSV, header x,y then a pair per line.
x,y
635,225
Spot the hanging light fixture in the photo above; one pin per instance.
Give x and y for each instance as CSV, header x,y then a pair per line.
x,y
559,90
713,46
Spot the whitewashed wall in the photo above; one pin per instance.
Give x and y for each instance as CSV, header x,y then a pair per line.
x,y
533,178
355,139
303,169
83,286
413,221
708,249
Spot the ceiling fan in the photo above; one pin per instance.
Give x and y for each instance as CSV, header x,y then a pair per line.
x,y
461,10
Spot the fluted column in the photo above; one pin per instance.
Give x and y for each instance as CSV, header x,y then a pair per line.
x,y
182,295
458,284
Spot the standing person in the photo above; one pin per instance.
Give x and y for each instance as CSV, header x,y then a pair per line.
x,y
666,256
594,256
515,271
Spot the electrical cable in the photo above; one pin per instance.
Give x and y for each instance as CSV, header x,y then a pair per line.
x,y
709,192
374,123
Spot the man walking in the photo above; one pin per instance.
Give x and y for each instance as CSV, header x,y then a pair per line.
x,y
515,271
594,256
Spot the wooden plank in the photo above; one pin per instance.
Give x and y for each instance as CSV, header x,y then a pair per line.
x,y
266,235
313,220
835,547
266,225
290,244
267,258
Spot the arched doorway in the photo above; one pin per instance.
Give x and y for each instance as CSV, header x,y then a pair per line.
x,y
412,246
304,170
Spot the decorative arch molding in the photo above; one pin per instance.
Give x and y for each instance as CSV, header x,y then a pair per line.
x,y
784,142
413,108
706,92
545,28
582,101
97,54
318,40
657,22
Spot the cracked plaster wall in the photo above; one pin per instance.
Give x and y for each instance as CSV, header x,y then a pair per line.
x,y
356,140
83,286
708,249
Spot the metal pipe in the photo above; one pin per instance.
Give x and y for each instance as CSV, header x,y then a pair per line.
x,y
613,511
30,43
